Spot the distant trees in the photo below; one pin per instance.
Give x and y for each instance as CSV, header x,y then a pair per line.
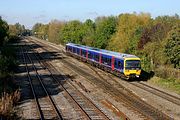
x,y
153,40
40,30
54,28
3,31
18,30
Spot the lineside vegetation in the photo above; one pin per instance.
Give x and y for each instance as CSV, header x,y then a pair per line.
x,y
9,91
155,40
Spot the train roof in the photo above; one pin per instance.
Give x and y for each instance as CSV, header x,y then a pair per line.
x,y
103,51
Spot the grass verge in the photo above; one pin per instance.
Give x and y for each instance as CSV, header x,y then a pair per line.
x,y
169,83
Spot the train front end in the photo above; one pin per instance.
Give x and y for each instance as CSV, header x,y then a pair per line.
x,y
132,67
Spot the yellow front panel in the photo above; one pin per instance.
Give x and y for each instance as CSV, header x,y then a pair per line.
x,y
128,72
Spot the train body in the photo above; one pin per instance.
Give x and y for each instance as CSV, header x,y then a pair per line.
x,y
123,65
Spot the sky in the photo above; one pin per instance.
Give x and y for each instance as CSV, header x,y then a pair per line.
x,y
29,12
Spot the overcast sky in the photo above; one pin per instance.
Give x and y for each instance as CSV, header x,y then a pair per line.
x,y
29,12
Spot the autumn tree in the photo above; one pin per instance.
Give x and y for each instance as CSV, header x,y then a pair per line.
x,y
157,30
129,29
13,31
54,29
152,40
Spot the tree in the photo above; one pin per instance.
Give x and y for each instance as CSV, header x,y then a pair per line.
x,y
54,29
3,31
40,30
72,32
13,31
105,28
88,32
158,30
172,48
20,28
129,30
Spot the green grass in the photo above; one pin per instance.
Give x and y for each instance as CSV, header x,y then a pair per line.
x,y
169,83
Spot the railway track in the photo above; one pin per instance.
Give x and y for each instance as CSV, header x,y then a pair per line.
x,y
141,85
162,94
129,99
45,104
40,113
146,110
84,105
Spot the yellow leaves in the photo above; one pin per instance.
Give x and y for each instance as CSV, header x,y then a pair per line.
x,y
54,29
127,26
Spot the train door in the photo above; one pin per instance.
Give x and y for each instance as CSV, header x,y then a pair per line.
x,y
112,62
118,64
78,51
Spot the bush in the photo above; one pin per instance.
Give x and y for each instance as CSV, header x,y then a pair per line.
x,y
7,102
167,72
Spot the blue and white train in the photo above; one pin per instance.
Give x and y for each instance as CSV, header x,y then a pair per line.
x,y
123,65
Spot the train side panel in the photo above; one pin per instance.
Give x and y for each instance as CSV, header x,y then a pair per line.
x,y
118,66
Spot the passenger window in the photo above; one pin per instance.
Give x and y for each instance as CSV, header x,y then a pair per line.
x,y
115,63
119,64
89,55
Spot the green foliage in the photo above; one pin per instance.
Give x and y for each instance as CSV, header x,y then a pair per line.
x,y
7,61
40,31
136,34
72,32
7,54
129,29
167,83
36,27
7,65
166,71
17,30
20,28
3,31
105,28
154,52
88,32
172,48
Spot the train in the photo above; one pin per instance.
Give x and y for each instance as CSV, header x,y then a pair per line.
x,y
123,65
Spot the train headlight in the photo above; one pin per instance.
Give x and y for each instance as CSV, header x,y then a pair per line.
x,y
137,76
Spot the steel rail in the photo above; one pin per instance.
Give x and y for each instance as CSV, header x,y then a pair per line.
x,y
32,87
45,90
45,65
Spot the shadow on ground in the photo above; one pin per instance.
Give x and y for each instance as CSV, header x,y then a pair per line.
x,y
22,79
